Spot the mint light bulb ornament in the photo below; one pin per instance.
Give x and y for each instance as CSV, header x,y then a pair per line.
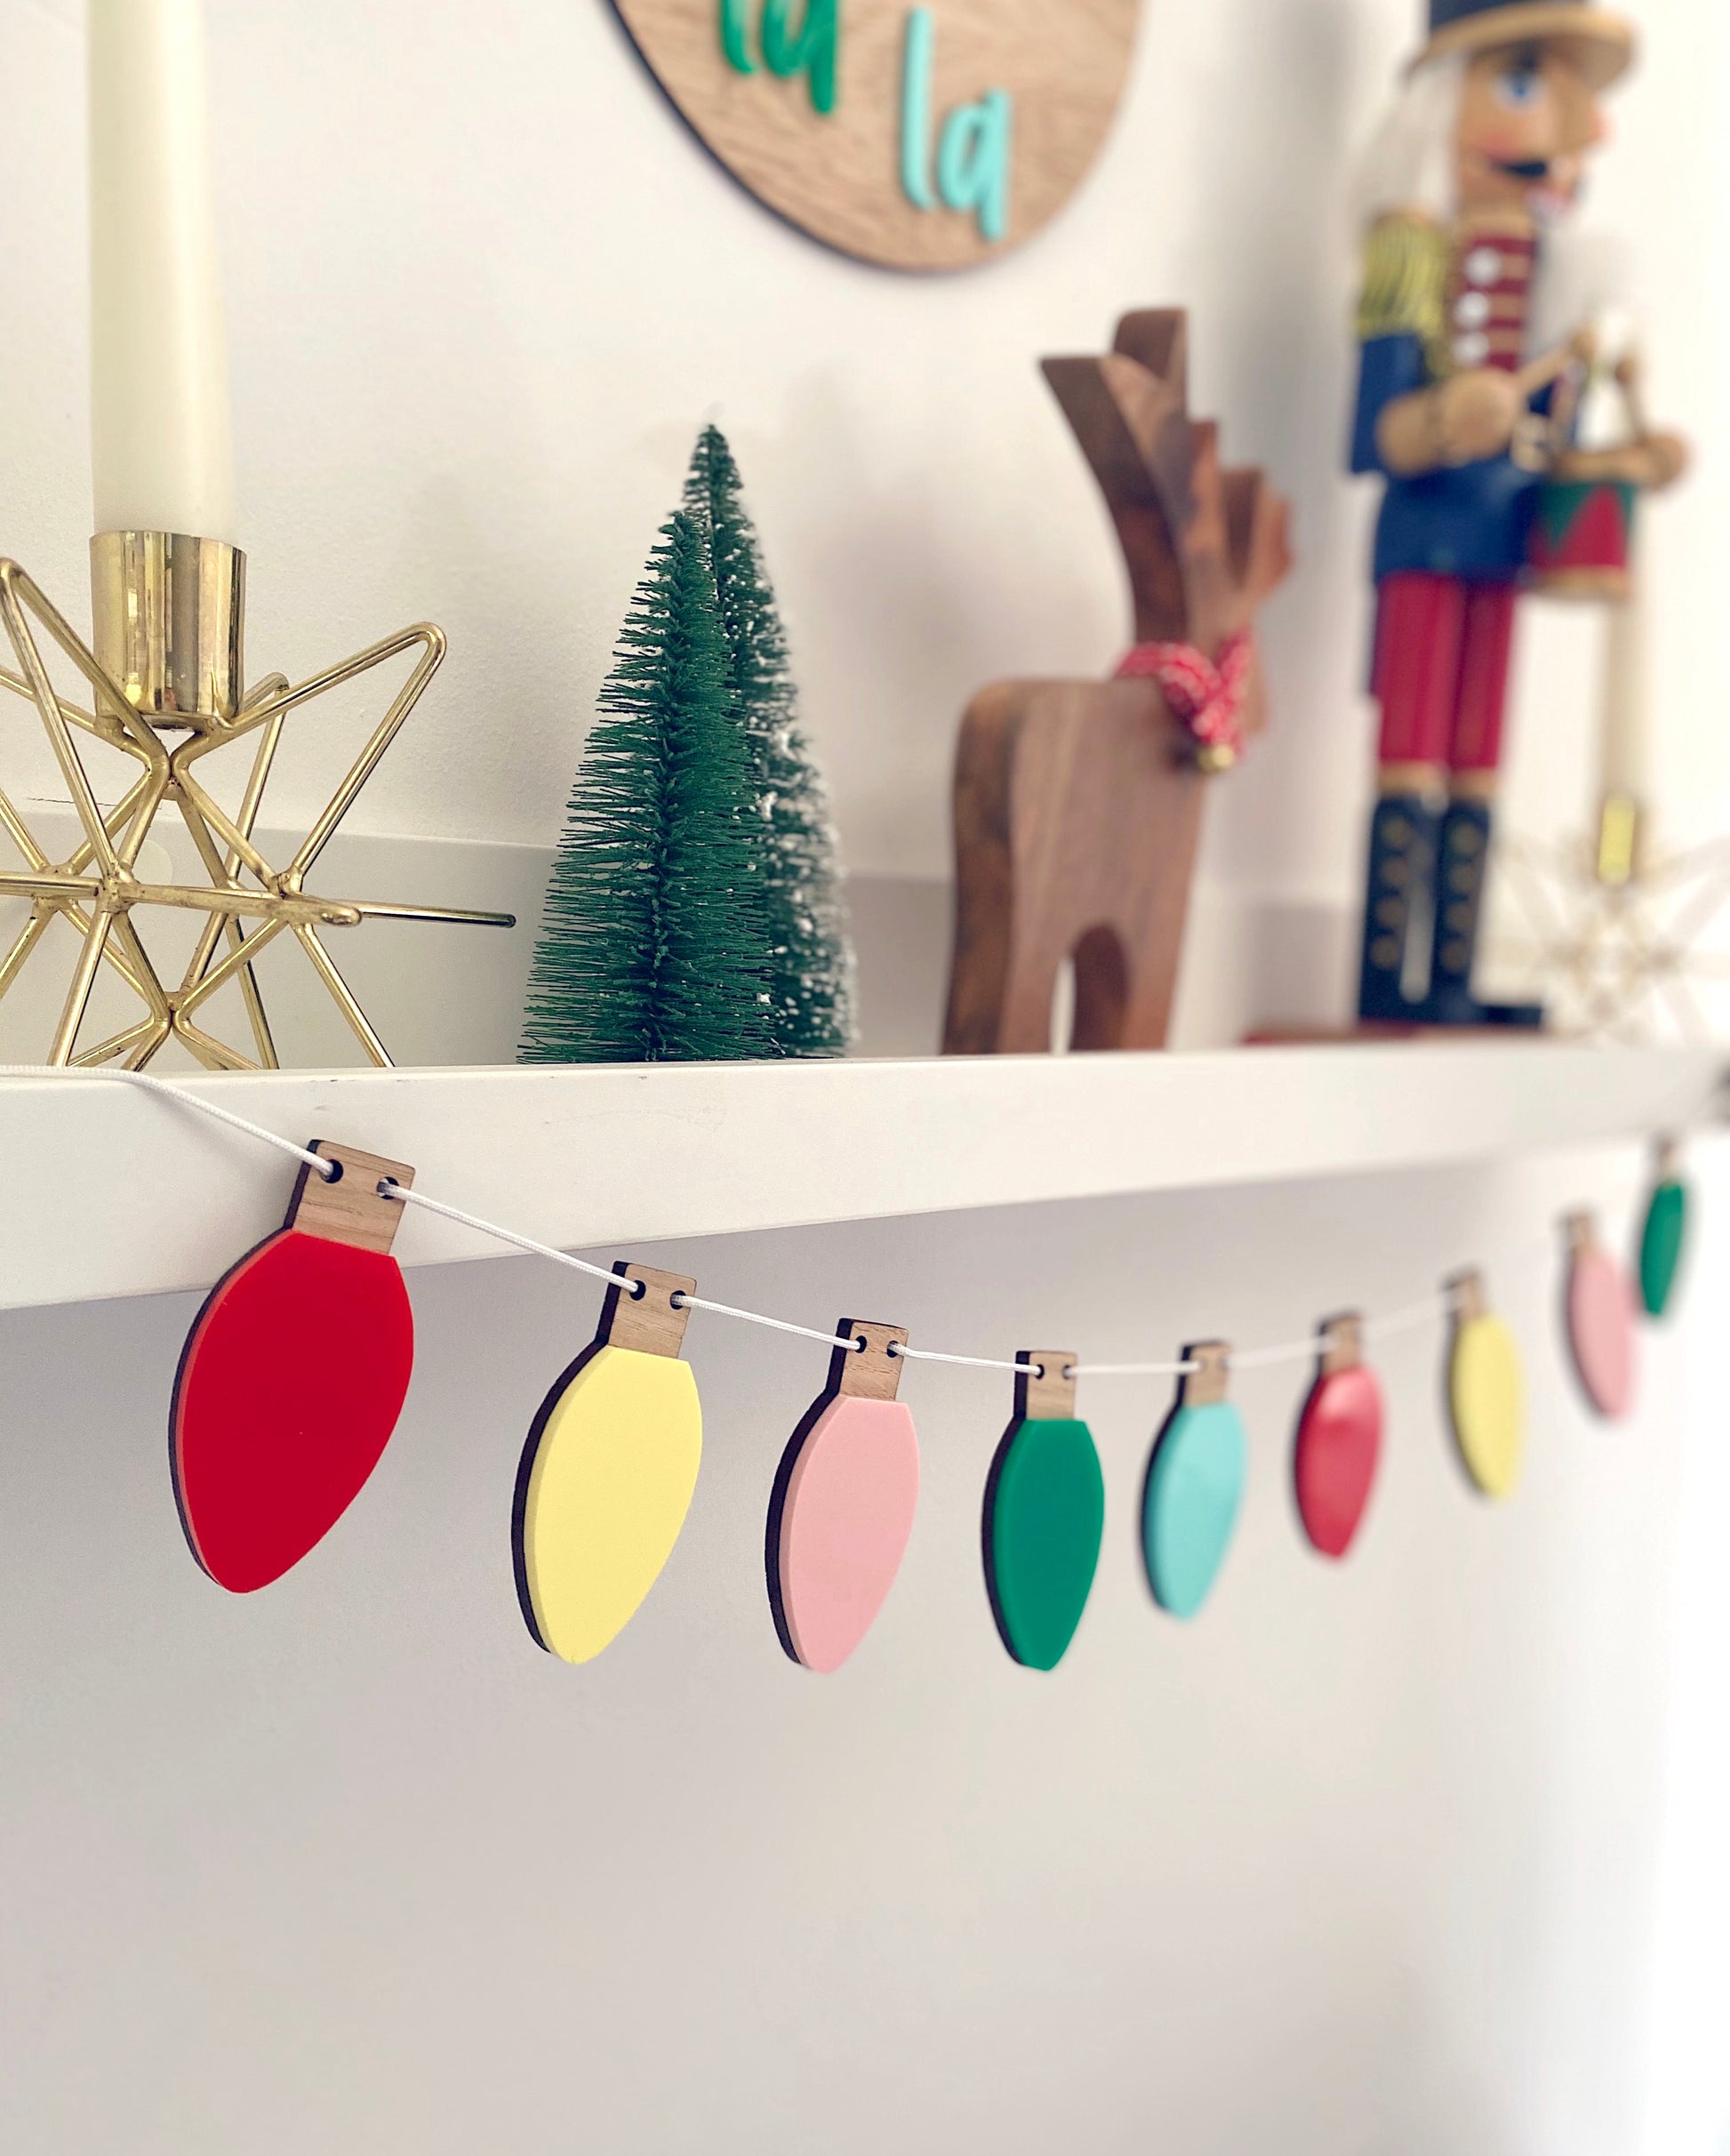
x,y
161,449
1195,1486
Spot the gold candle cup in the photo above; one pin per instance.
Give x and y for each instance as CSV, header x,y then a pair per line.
x,y
169,615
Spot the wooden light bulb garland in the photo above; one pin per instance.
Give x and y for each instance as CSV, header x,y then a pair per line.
x,y
296,1368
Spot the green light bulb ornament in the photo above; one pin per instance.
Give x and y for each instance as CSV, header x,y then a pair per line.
x,y
1664,1240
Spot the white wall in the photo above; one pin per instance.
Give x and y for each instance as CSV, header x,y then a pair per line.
x,y
484,288
1418,1858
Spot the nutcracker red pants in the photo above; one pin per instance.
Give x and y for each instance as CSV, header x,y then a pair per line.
x,y
1442,654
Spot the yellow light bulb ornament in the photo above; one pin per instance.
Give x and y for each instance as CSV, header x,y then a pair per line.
x,y
609,1470
1486,1389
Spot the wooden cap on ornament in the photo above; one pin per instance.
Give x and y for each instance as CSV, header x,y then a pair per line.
x,y
870,1373
1342,1339
1209,1382
1581,1229
1045,1391
1467,1296
651,1322
349,1208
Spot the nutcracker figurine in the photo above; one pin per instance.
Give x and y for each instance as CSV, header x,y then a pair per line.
x,y
1465,405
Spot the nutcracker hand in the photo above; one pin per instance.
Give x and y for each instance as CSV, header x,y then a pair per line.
x,y
1667,458
1478,413
1471,416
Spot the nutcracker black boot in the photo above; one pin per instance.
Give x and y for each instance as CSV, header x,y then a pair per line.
x,y
1403,841
1460,879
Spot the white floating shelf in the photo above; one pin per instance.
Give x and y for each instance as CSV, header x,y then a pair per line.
x,y
110,1192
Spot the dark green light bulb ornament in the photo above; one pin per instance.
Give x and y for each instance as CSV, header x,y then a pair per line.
x,y
1045,1515
1664,1238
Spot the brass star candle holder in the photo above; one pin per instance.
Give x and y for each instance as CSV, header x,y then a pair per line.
x,y
165,678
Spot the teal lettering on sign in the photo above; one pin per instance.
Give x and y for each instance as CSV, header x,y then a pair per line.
x,y
970,172
975,150
974,160
813,50
733,41
915,109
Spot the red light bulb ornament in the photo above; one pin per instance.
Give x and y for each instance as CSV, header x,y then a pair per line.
x,y
609,1470
843,1505
292,1377
1045,1514
1600,1321
1339,1440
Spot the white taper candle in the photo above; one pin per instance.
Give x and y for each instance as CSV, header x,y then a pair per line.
x,y
162,447
1625,724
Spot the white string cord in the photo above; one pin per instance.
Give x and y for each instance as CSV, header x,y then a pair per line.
x,y
853,1341
1138,1369
405,1196
1269,1358
967,1362
1406,1319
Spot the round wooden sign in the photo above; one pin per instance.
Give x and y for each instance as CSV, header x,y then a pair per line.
x,y
922,134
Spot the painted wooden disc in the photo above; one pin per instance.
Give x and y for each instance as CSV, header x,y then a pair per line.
x,y
1045,1519
1334,1465
1663,1242
939,136
1600,1315
606,1481
839,1526
1193,1494
1486,1403
290,1385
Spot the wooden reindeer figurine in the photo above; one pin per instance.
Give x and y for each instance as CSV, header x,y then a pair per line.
x,y
1077,804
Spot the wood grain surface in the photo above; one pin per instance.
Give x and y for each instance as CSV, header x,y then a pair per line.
x,y
837,175
1076,817
1079,804
350,1209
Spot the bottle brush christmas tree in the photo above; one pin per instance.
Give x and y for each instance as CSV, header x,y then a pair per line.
x,y
810,965
654,945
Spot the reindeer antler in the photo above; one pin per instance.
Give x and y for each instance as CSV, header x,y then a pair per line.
x,y
1204,547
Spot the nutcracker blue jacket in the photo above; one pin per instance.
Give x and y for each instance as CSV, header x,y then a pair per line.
x,y
1470,521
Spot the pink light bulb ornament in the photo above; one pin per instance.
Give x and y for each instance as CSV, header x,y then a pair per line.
x,y
1600,1321
843,1505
